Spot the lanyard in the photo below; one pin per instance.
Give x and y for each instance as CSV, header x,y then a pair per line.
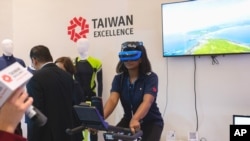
x,y
130,95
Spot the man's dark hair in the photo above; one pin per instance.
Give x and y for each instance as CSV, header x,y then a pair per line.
x,y
41,53
144,66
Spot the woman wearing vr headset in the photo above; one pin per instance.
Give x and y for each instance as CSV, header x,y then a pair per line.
x,y
136,86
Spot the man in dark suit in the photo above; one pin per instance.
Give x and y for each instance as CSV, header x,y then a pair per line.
x,y
51,89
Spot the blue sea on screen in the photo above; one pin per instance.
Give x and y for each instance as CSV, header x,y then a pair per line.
x,y
182,43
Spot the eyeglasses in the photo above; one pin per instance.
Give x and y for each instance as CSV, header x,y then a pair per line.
x,y
127,46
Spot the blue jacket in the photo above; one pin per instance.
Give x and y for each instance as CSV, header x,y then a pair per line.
x,y
8,60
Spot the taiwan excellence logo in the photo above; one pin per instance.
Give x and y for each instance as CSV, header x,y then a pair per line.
x,y
78,28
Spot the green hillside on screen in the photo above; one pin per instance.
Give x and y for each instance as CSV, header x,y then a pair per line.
x,y
219,46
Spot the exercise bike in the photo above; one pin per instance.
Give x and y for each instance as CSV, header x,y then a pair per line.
x,y
91,117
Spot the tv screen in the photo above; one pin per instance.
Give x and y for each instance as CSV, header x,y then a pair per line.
x,y
206,27
241,119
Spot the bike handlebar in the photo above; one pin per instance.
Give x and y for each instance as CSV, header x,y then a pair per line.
x,y
122,133
128,137
75,130
113,132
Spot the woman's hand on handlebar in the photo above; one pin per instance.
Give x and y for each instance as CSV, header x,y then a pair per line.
x,y
134,125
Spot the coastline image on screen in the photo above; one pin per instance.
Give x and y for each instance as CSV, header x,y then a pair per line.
x,y
205,27
241,119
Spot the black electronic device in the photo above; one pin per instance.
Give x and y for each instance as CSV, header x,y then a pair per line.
x,y
241,119
36,116
90,117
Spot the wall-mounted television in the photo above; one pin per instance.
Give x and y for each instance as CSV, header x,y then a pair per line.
x,y
241,119
205,27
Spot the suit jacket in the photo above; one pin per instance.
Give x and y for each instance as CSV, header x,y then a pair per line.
x,y
5,136
51,89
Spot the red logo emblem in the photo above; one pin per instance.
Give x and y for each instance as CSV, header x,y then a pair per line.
x,y
6,78
78,28
154,89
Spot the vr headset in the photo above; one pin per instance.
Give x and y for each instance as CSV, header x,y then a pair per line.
x,y
129,55
130,51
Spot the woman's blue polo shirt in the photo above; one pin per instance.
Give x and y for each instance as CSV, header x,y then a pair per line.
x,y
131,95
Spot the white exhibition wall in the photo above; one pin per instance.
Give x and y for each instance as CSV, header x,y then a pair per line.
x,y
221,90
6,24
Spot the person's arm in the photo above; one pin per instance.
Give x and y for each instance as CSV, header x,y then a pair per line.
x,y
111,104
151,89
12,112
141,112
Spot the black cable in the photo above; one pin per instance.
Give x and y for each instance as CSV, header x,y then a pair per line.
x,y
166,88
214,60
195,97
